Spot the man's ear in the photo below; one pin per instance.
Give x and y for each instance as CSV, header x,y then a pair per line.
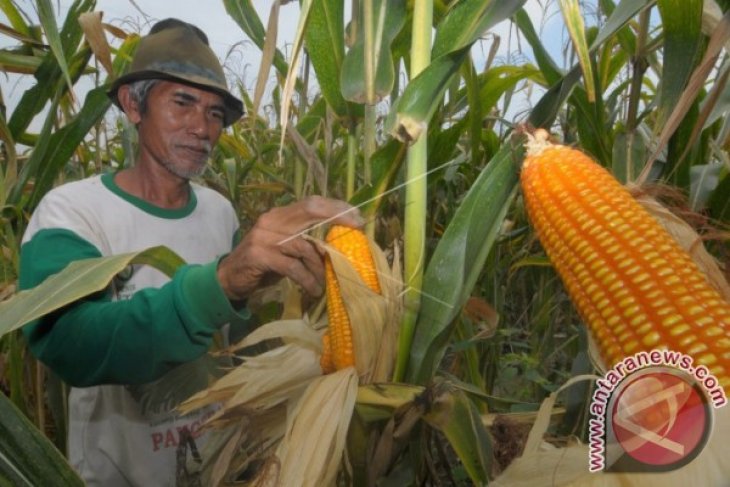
x,y
129,104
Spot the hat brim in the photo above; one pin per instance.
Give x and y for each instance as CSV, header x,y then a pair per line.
x,y
233,107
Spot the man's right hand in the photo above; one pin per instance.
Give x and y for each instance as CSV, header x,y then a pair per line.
x,y
275,248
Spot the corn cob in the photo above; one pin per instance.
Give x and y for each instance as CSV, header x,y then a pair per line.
x,y
632,283
337,345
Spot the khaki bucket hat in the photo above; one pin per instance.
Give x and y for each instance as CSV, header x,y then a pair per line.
x,y
177,51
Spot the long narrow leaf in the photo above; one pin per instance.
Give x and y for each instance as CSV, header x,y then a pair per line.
x,y
48,74
682,49
459,257
10,10
386,163
291,77
12,62
245,15
468,20
94,32
720,201
411,112
694,85
457,417
576,29
549,68
629,155
49,158
79,279
393,14
547,107
48,21
465,23
325,40
267,56
9,173
27,457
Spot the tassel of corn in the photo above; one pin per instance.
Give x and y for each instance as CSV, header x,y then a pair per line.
x,y
337,348
632,283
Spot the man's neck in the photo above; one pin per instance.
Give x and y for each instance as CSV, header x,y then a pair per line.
x,y
155,185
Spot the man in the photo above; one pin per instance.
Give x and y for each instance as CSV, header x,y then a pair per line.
x,y
112,346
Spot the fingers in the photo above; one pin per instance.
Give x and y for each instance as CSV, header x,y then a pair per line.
x,y
333,211
299,272
275,247
310,213
309,268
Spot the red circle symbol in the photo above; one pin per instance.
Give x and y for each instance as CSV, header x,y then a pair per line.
x,y
660,419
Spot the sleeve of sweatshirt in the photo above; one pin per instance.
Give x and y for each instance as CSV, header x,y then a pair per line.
x,y
99,341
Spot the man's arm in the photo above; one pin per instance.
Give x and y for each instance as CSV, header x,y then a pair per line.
x,y
97,341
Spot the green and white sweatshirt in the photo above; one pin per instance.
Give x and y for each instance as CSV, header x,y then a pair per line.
x,y
116,347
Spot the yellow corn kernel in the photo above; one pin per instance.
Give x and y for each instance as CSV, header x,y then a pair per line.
x,y
352,244
325,361
643,277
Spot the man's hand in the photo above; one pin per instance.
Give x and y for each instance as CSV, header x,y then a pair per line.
x,y
274,248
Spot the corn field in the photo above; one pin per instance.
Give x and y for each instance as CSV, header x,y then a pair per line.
x,y
409,110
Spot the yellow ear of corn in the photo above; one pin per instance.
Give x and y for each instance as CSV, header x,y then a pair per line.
x,y
632,283
337,345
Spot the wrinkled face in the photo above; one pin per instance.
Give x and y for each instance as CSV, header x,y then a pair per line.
x,y
179,127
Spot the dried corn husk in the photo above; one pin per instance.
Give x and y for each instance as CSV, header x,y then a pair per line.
x,y
276,407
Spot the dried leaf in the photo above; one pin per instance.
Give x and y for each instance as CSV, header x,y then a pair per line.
x,y
482,313
291,331
720,36
267,58
94,31
261,382
324,413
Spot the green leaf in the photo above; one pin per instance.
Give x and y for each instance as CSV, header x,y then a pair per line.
x,y
618,18
325,41
27,458
245,15
392,14
54,148
456,33
8,173
625,35
49,75
576,28
385,164
411,112
454,414
704,180
376,402
495,82
13,62
459,257
476,110
468,20
79,279
629,156
682,50
550,70
48,21
11,12
720,201
548,106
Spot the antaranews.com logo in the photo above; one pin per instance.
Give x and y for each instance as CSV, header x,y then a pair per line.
x,y
652,412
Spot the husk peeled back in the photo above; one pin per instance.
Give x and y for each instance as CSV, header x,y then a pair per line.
x,y
277,409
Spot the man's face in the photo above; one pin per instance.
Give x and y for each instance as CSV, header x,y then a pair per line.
x,y
180,127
